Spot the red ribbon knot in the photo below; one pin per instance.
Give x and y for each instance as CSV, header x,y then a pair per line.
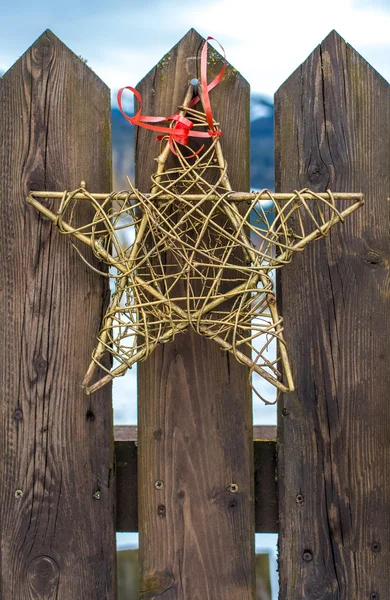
x,y
182,129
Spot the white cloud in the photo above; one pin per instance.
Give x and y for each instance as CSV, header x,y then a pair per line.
x,y
266,41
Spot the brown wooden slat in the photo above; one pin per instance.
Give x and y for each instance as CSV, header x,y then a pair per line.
x,y
129,433
333,130
125,433
126,486
266,507
56,443
195,414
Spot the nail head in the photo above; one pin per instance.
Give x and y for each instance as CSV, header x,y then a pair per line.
x,y
18,414
159,484
233,488
18,494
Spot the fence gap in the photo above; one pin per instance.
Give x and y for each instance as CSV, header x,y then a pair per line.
x,y
332,131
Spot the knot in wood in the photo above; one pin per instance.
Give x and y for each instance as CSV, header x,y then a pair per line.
x,y
43,577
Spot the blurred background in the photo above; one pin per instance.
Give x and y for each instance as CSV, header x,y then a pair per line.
x,y
266,42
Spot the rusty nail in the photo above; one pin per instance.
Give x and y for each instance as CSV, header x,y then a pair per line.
x,y
159,484
97,495
233,488
19,494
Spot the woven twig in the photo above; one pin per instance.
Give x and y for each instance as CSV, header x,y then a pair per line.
x,y
198,258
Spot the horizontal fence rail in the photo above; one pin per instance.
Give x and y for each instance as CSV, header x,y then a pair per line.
x,y
264,448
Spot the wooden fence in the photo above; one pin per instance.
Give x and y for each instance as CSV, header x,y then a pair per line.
x,y
61,497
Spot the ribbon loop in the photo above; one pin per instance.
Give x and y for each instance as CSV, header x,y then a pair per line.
x,y
182,128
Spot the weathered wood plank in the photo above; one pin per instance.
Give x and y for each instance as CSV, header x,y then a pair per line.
x,y
126,486
129,433
266,505
333,130
195,415
57,540
126,433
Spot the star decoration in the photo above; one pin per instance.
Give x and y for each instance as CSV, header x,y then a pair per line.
x,y
195,254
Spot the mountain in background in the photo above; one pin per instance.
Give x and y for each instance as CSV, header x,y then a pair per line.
x,y
262,145
262,142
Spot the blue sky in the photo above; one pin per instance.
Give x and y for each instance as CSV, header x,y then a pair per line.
x,y
265,40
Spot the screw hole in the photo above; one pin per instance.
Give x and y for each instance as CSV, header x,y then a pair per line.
x,y
307,556
233,488
18,414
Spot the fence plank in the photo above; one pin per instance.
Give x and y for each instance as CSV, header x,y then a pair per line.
x,y
332,130
56,443
195,416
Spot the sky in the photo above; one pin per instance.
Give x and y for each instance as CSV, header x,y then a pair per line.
x,y
264,40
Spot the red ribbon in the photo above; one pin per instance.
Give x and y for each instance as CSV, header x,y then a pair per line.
x,y
182,129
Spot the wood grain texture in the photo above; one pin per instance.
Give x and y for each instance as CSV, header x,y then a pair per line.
x,y
333,130
126,433
126,486
195,414
266,498
129,433
57,541
266,505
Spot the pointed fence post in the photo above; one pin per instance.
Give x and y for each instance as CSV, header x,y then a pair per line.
x,y
56,478
332,127
195,414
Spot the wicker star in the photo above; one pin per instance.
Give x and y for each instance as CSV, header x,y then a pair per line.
x,y
193,253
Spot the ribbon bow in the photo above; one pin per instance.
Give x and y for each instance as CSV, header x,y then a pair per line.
x,y
182,129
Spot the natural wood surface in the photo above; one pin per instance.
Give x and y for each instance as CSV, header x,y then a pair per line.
x,y
57,539
266,505
126,486
129,433
195,414
332,120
